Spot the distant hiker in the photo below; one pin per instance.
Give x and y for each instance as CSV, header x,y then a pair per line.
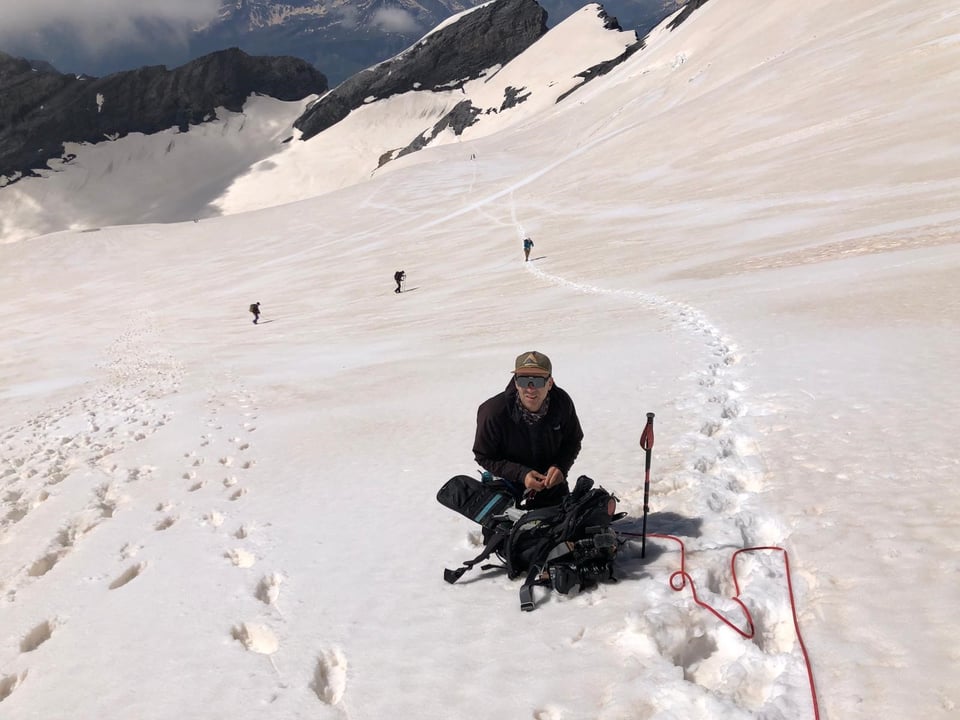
x,y
399,276
530,434
255,309
527,246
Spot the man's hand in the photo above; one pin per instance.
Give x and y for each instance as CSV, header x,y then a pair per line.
x,y
538,481
535,481
554,477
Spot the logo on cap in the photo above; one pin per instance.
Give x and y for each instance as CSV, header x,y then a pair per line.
x,y
533,363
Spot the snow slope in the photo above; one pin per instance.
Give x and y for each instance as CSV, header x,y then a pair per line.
x,y
749,228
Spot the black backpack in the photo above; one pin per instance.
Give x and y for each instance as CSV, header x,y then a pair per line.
x,y
564,547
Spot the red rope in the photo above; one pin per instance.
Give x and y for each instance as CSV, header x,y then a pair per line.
x,y
683,577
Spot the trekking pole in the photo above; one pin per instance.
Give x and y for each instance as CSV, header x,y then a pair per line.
x,y
646,442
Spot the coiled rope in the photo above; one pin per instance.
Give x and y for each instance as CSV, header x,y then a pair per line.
x,y
681,578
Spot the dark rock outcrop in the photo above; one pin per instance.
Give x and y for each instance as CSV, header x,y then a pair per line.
x,y
688,10
463,115
41,110
513,97
489,36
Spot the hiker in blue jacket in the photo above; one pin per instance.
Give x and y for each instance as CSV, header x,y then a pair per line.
x,y
527,246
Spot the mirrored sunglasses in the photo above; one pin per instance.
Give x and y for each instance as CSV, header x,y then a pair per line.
x,y
538,381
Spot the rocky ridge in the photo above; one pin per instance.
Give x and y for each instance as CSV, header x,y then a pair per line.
x,y
482,39
42,110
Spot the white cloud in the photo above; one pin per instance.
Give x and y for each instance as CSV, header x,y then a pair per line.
x,y
349,17
395,20
98,22
385,19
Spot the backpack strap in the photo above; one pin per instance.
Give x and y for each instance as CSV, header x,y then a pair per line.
x,y
451,576
529,518
542,552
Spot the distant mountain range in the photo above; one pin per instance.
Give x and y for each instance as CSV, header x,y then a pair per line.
x,y
44,108
77,152
338,37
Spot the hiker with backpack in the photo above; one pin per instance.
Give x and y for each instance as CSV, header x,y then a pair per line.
x,y
530,434
527,439
527,247
398,277
255,310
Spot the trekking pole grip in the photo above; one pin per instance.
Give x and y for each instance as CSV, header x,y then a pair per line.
x,y
646,437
